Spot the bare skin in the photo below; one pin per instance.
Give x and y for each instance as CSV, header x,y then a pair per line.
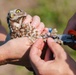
x,y
16,51
62,64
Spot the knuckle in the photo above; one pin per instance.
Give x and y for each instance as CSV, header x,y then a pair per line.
x,y
36,17
42,24
29,16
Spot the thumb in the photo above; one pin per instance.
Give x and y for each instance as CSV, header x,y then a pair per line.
x,y
35,53
57,50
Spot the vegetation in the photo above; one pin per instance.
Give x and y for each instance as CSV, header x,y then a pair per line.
x,y
54,13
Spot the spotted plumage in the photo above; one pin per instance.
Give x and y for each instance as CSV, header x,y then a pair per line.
x,y
18,29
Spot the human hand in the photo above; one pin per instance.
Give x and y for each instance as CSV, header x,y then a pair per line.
x,y
18,50
62,64
71,26
14,52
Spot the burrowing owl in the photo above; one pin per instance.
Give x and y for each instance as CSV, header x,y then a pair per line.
x,y
17,28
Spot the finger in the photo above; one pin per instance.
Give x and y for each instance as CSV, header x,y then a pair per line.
x,y
28,19
48,55
58,51
36,52
36,21
40,28
45,30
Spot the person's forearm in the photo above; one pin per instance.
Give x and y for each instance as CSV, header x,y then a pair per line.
x,y
3,55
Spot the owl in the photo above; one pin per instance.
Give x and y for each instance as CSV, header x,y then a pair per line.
x,y
17,28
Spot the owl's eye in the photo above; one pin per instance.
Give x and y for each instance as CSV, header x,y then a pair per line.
x,y
18,11
12,15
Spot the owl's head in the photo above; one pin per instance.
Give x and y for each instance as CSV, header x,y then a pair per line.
x,y
15,14
14,17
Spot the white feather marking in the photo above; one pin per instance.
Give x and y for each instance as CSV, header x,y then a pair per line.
x,y
16,24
